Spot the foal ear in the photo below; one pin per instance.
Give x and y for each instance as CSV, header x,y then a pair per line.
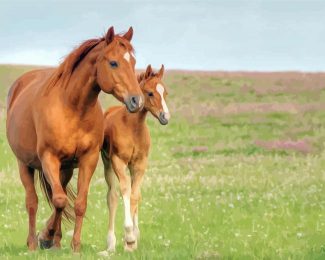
x,y
160,73
128,35
148,72
109,37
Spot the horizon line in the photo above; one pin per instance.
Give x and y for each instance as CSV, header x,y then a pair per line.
x,y
187,70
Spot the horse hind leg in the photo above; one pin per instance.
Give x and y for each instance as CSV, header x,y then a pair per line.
x,y
27,179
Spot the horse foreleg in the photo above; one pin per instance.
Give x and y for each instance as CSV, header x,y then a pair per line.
x,y
87,166
112,202
137,173
27,179
51,169
51,235
119,167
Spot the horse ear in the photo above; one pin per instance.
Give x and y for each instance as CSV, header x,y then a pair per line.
x,y
160,73
128,35
148,72
109,37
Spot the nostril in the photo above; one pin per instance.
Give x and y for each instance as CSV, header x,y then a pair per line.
x,y
161,115
134,100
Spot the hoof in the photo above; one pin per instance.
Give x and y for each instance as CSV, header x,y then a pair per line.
x,y
32,244
130,247
129,236
111,242
75,247
45,244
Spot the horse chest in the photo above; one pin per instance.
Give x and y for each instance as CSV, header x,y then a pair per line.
x,y
140,149
71,136
82,142
75,144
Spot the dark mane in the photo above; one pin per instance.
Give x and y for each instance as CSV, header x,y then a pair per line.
x,y
71,62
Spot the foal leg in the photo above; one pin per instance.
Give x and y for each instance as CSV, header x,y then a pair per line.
x,y
51,235
112,202
27,178
119,167
137,172
87,166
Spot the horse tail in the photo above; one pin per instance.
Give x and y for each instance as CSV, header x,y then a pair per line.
x,y
68,211
105,151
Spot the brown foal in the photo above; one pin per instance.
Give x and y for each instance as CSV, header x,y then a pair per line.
x,y
126,144
55,124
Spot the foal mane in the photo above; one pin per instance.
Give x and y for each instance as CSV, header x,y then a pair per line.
x,y
142,75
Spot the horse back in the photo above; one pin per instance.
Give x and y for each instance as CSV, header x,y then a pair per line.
x,y
23,82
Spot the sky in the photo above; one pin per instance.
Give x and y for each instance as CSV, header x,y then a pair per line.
x,y
253,35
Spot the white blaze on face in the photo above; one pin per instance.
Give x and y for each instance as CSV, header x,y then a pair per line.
x,y
160,89
127,56
140,101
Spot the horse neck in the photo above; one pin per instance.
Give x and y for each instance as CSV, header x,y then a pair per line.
x,y
82,90
138,119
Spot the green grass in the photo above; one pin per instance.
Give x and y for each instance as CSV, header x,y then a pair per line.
x,y
210,190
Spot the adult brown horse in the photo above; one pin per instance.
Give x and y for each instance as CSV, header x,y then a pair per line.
x,y
55,124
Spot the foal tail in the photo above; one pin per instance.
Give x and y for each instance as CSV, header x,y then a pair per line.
x,y
68,211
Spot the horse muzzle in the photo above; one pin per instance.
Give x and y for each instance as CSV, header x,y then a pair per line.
x,y
134,103
163,118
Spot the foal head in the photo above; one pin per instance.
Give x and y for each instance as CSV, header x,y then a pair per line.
x,y
116,70
155,93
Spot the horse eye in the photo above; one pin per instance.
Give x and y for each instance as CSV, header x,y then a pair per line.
x,y
113,64
150,94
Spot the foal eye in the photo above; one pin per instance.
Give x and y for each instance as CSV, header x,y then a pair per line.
x,y
113,64
150,94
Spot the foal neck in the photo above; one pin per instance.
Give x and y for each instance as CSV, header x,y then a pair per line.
x,y
138,119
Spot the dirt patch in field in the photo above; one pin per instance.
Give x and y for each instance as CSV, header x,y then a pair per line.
x,y
302,146
217,110
262,83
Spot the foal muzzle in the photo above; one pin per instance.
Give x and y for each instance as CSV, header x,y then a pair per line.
x,y
163,118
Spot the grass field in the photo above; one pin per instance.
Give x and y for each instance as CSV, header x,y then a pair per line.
x,y
239,173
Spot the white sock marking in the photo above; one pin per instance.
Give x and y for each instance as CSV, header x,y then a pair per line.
x,y
128,220
111,241
135,220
